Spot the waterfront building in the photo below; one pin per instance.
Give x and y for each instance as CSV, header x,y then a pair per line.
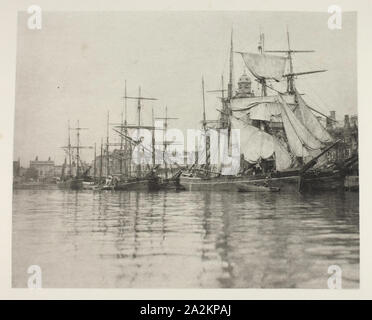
x,y
45,169
347,132
16,168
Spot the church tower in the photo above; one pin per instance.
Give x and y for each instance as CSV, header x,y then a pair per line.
x,y
244,87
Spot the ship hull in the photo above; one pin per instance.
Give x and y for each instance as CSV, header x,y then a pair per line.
x,y
132,185
232,184
324,181
254,188
166,184
71,184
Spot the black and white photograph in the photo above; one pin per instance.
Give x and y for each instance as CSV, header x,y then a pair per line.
x,y
186,149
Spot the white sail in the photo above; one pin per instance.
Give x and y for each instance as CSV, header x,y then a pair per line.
x,y
141,155
303,113
266,112
299,137
264,66
283,159
245,104
256,144
230,164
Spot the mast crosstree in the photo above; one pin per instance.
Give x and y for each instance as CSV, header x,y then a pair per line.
x,y
291,75
77,148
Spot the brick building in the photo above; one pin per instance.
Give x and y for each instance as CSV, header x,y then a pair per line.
x,y
45,169
347,133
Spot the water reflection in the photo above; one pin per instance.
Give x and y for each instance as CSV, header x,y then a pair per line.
x,y
188,239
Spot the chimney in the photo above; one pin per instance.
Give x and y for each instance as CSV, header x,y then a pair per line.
x,y
37,158
329,122
347,122
49,159
333,115
354,121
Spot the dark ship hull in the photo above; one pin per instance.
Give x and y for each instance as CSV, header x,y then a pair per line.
x,y
136,184
256,188
285,181
322,181
71,184
157,183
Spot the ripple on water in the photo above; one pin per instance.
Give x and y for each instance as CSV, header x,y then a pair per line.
x,y
186,239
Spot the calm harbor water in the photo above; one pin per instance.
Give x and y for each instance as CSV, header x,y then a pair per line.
x,y
189,239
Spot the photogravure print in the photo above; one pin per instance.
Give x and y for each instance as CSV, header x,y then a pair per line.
x,y
186,149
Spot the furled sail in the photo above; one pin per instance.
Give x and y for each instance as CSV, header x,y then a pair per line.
x,y
229,164
303,113
264,66
256,144
300,140
141,155
266,112
245,104
142,151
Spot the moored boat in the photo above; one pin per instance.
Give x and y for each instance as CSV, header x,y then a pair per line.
x,y
159,183
280,137
256,188
132,184
288,183
322,180
74,181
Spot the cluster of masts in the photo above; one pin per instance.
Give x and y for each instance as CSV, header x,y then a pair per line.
x,y
290,77
127,143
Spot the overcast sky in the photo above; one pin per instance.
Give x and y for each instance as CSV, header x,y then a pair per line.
x,y
75,68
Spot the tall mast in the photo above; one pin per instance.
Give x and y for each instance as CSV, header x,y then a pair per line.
x,y
291,75
138,126
127,167
225,112
139,107
205,127
69,150
95,162
69,147
290,81
121,139
261,43
222,90
125,102
204,116
139,99
101,161
231,70
107,146
165,142
153,139
261,49
78,149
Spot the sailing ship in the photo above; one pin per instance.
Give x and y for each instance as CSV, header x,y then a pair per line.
x,y
74,175
164,182
146,172
133,150
282,143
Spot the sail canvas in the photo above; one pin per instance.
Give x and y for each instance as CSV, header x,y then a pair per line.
x,y
264,66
